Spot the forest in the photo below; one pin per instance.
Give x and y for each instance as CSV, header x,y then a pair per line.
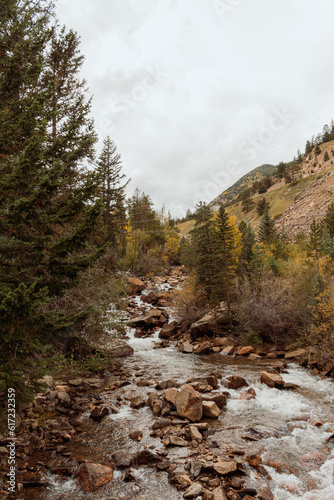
x,y
69,236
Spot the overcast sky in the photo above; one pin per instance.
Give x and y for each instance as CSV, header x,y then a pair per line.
x,y
196,93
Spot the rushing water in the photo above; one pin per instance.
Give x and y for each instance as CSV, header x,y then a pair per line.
x,y
288,429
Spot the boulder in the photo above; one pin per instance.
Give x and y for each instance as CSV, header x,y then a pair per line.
x,y
121,351
210,409
189,403
209,321
228,350
187,348
166,384
272,379
136,435
203,348
135,285
236,382
244,351
170,395
225,467
168,330
223,342
195,434
122,459
296,354
194,491
219,494
137,402
93,476
265,493
177,441
98,413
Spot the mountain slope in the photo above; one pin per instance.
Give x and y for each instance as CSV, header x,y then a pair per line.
x,y
244,182
295,206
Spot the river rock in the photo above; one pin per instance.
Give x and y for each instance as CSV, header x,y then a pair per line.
x,y
136,435
170,395
223,342
271,379
265,493
64,398
135,285
236,382
228,350
177,441
162,423
195,434
225,467
98,413
295,354
137,402
189,403
169,330
145,457
203,348
167,384
194,491
219,494
187,348
93,476
209,321
210,409
122,459
244,351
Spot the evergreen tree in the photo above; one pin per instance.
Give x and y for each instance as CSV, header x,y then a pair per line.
x,y
248,240
329,219
112,193
225,257
266,231
316,237
308,148
205,247
47,209
261,205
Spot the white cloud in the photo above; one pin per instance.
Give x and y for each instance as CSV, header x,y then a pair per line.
x,y
186,88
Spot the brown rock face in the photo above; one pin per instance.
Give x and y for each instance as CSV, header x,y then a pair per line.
x,y
203,348
168,330
264,492
170,395
271,379
93,476
236,382
295,354
244,351
135,285
210,409
186,347
223,342
228,350
224,468
189,403
122,459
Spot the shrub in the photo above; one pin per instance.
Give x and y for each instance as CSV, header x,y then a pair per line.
x,y
277,307
189,303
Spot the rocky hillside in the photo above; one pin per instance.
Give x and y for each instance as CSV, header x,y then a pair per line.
x,y
244,182
295,206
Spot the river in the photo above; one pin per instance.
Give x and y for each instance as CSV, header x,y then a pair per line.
x,y
289,430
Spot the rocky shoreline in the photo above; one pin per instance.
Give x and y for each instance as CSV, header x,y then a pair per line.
x,y
52,427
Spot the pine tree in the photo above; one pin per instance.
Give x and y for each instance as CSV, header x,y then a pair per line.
x,y
329,219
316,237
47,209
225,257
112,193
266,231
205,246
